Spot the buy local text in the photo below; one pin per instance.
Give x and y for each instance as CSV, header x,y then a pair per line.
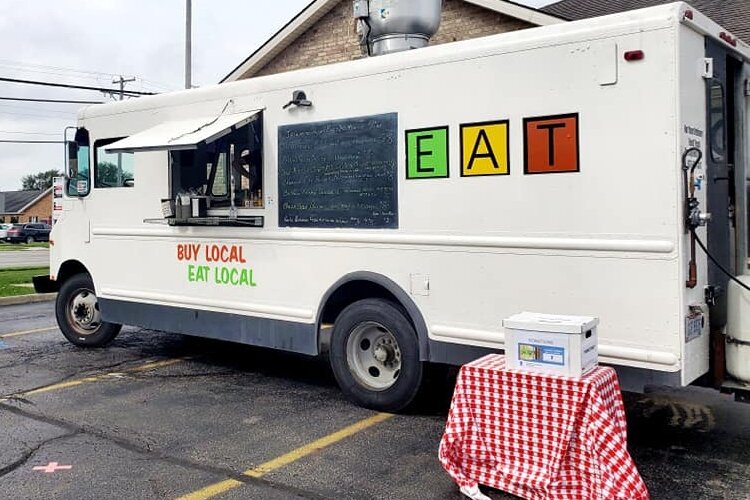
x,y
220,264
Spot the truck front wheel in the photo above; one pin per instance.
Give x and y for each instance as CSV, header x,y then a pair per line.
x,y
375,355
78,316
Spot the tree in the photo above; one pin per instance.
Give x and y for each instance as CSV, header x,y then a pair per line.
x,y
40,181
109,175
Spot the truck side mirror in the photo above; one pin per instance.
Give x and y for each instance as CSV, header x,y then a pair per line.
x,y
71,167
72,148
77,164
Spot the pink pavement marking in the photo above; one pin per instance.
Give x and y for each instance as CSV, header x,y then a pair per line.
x,y
52,467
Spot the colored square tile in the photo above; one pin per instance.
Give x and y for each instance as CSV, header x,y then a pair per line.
x,y
551,144
484,148
427,153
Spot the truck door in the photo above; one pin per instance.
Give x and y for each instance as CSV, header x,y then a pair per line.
x,y
721,165
742,133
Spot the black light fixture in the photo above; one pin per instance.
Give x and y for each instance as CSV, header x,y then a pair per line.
x,y
299,98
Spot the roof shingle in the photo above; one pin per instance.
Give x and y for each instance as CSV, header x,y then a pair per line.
x,y
733,15
14,201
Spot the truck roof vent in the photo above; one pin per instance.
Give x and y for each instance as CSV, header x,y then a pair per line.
x,y
387,26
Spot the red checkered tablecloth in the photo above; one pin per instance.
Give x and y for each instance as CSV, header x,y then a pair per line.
x,y
539,436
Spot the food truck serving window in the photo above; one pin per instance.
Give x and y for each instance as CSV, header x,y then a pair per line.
x,y
215,167
227,172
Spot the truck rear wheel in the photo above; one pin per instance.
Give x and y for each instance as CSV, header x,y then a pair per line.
x,y
78,316
375,355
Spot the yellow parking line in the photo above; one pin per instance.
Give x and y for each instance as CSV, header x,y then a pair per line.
x,y
292,456
96,378
61,385
212,490
27,332
156,364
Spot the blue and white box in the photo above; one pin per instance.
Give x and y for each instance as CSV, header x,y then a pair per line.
x,y
550,343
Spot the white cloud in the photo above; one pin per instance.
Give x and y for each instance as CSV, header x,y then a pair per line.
x,y
143,38
131,37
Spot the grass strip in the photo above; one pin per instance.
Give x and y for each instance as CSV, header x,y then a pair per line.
x,y
11,278
12,247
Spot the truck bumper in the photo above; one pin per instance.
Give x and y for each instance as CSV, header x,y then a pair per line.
x,y
43,284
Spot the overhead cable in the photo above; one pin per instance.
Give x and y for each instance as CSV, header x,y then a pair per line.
x,y
63,71
20,64
129,93
39,115
59,101
27,133
36,110
13,141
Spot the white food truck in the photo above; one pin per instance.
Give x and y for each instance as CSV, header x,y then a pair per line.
x,y
391,211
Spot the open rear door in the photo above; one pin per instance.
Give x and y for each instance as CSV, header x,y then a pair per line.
x,y
725,166
726,176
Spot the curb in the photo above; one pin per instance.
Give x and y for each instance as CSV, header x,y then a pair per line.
x,y
27,299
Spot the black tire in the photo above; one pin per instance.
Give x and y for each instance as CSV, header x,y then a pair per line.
x,y
101,333
30,240
409,378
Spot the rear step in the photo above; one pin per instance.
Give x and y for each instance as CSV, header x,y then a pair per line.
x,y
741,390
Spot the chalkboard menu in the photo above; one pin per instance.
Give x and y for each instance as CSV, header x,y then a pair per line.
x,y
340,173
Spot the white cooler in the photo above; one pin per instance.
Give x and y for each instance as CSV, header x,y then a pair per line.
x,y
564,345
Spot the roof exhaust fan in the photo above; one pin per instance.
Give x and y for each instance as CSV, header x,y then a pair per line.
x,y
387,26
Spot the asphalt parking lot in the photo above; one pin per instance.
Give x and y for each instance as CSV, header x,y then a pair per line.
x,y
160,415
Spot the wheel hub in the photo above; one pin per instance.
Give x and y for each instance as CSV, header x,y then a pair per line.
x,y
383,353
373,356
84,312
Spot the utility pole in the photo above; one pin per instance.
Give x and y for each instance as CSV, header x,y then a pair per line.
x,y
188,40
122,81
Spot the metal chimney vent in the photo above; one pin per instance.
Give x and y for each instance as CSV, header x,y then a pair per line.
x,y
387,26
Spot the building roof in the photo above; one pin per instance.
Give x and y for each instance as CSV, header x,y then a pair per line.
x,y
12,202
733,15
316,9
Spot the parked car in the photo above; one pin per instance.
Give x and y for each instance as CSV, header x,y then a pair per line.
x,y
4,231
29,233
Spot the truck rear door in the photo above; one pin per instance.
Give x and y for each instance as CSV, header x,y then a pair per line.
x,y
724,167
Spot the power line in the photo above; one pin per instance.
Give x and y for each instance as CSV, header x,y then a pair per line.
x,y
58,74
69,86
93,78
59,101
19,64
44,111
39,116
153,83
27,133
10,141
61,71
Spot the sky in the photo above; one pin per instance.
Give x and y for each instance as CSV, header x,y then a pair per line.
x,y
92,42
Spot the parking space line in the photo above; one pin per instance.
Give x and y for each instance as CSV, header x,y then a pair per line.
x,y
294,455
157,364
95,378
27,332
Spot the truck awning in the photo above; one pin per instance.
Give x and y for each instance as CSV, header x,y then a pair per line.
x,y
182,134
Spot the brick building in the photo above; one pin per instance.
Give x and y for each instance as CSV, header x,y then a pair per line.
x,y
26,206
324,33
733,15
